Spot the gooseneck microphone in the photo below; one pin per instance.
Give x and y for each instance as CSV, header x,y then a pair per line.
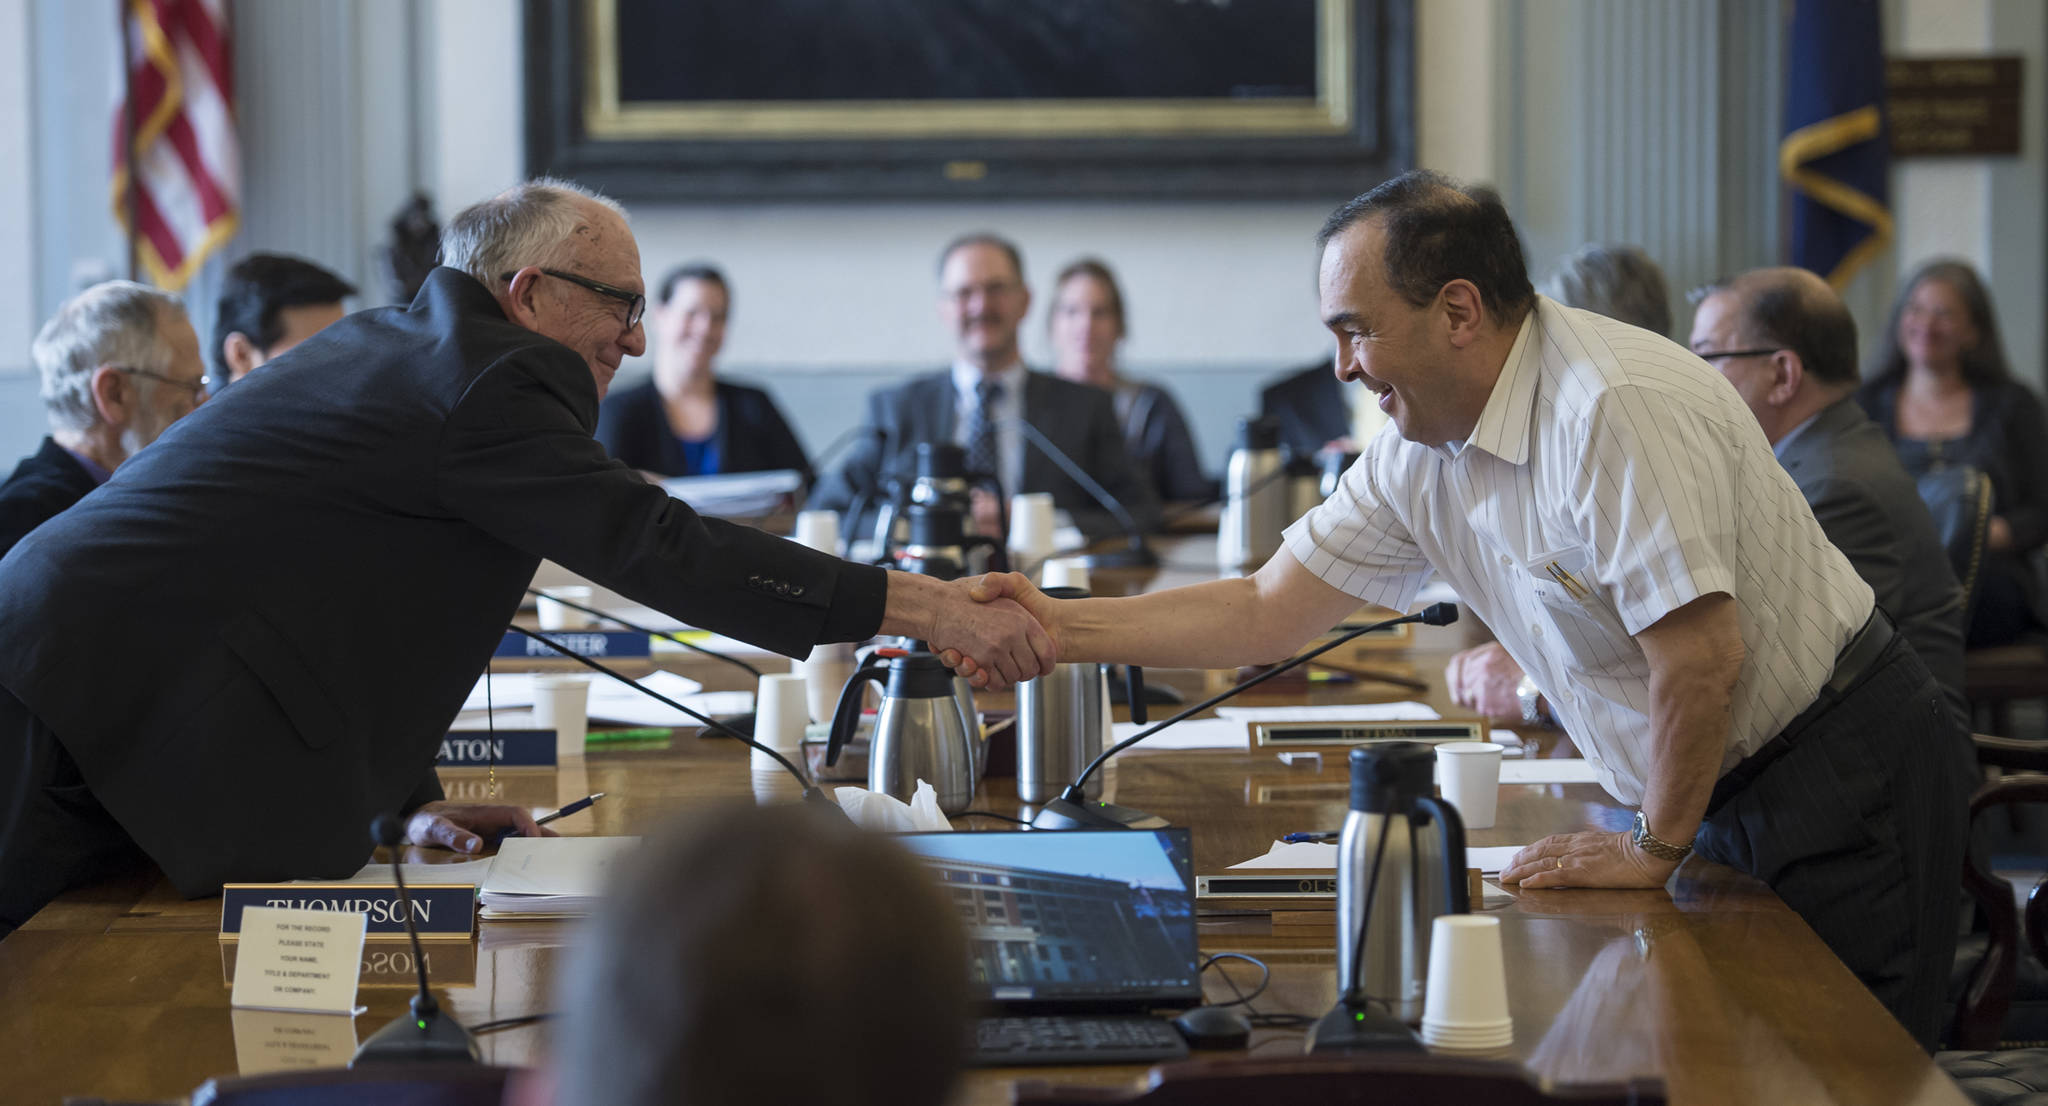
x,y
812,794
1073,810
609,617
428,1034
1135,554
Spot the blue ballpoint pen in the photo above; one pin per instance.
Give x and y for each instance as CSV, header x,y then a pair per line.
x,y
576,807
1298,838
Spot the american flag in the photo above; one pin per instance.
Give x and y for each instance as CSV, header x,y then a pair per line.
x,y
187,182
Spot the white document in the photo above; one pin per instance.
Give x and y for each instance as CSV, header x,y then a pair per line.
x,y
1490,859
1340,712
305,960
1323,854
551,875
611,702
1562,770
1195,733
471,872
735,494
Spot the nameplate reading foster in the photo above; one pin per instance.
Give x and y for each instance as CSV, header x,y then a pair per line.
x,y
497,749
438,909
590,643
298,960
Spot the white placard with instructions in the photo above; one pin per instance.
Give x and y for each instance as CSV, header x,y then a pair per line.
x,y
299,960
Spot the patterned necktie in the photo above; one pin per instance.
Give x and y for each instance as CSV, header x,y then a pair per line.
x,y
981,429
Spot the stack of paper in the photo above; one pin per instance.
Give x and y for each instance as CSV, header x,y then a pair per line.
x,y
1310,855
378,874
613,702
736,494
551,877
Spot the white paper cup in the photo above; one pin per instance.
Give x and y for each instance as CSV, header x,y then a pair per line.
x,y
818,530
1031,525
780,715
562,703
1469,773
555,616
1466,1003
1065,572
825,673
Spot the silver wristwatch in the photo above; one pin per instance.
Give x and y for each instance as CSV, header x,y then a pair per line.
x,y
1655,846
1531,698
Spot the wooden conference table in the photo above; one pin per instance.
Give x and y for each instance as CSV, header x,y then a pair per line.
x,y
1713,985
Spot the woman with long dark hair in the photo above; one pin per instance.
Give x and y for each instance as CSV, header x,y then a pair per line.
x,y
1941,387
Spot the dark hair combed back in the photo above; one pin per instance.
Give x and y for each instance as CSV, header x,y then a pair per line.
x,y
1620,282
259,287
1985,365
1792,309
1095,268
695,270
1438,232
982,238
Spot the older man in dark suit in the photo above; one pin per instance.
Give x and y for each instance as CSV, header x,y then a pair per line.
x,y
309,577
1786,342
979,401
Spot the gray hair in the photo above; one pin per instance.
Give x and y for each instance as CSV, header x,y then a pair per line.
x,y
1620,282
117,323
527,224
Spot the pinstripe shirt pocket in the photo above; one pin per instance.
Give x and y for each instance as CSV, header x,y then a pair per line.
x,y
1575,614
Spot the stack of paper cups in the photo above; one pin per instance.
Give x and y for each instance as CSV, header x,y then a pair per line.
x,y
555,616
825,673
562,703
818,530
1466,1006
779,719
1065,572
1469,773
1030,526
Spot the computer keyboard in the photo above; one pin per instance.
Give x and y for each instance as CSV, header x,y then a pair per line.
x,y
1002,1042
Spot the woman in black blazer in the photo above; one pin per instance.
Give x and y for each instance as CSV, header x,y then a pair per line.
x,y
685,421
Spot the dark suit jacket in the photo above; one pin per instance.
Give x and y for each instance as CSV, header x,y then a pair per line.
x,y
1311,408
307,575
751,434
44,484
1075,417
1868,507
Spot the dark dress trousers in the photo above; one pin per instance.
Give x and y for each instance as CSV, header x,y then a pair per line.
x,y
1311,408
751,434
43,485
1075,417
1867,506
305,577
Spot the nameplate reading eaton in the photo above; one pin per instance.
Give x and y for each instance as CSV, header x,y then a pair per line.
x,y
591,643
438,909
497,749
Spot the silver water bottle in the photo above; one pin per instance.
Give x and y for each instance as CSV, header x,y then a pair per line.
x,y
1403,852
1255,499
1061,724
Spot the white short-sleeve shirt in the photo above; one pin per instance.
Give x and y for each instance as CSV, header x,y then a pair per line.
x,y
1612,478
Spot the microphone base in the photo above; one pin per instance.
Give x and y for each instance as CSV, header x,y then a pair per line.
x,y
1063,814
1348,1028
404,1042
1135,555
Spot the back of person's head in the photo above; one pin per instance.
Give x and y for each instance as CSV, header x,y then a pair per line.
x,y
768,956
983,238
256,293
1793,309
530,223
117,323
1983,364
1437,231
1620,282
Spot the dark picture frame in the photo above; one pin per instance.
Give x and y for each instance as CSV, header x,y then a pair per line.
x,y
1353,129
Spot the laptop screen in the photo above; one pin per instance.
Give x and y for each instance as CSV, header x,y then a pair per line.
x,y
1077,915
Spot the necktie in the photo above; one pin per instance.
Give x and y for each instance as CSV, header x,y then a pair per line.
x,y
981,429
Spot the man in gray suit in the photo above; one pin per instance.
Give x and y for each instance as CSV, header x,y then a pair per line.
x,y
1788,345
978,403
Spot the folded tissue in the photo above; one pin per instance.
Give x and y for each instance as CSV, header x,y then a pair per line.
x,y
872,810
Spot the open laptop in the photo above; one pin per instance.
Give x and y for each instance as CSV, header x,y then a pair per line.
x,y
1077,939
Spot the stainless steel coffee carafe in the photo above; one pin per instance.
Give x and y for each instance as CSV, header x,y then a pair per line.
x,y
1403,852
921,732
1255,499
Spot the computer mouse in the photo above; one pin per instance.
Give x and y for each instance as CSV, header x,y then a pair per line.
x,y
1214,1027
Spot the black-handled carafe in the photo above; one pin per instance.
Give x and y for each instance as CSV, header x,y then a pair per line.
x,y
1400,863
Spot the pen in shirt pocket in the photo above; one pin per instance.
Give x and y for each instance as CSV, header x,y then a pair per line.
x,y
1571,584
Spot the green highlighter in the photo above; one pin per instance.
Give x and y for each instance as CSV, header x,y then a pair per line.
x,y
652,733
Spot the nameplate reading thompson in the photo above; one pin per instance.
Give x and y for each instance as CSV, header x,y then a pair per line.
x,y
1325,735
439,910
590,643
497,749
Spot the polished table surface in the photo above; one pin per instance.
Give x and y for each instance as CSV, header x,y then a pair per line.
x,y
1710,984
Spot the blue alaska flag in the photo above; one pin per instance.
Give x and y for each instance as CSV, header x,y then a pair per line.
x,y
1836,153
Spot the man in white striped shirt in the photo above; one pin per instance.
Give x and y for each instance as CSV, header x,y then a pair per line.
x,y
1603,499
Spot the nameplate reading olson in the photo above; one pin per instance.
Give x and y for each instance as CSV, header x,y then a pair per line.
x,y
438,909
497,749
591,643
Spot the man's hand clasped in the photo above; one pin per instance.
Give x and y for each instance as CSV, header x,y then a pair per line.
x,y
989,637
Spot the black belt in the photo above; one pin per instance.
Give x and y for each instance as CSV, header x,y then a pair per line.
x,y
1853,665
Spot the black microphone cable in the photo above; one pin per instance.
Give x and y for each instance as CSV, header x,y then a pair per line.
x,y
609,617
